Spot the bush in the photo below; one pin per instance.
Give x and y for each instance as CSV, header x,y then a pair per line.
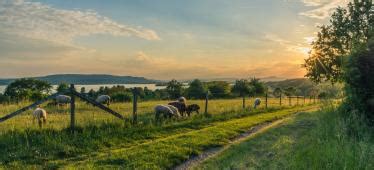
x,y
360,80
121,97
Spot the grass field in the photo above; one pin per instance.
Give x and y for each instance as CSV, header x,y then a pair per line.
x,y
89,115
101,140
318,140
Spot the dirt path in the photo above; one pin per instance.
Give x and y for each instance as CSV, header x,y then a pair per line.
x,y
190,163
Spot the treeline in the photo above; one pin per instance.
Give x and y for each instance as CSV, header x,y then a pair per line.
x,y
32,90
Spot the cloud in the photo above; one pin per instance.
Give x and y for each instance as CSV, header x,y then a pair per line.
x,y
39,21
312,2
301,48
324,9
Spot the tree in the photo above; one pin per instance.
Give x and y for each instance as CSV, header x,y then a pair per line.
x,y
360,80
242,88
277,92
63,87
219,89
196,90
258,86
23,89
289,91
83,90
174,89
347,28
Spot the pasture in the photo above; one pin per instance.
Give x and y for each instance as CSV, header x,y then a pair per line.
x,y
145,144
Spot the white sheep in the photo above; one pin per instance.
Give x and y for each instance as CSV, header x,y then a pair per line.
x,y
41,115
103,99
165,111
62,100
257,102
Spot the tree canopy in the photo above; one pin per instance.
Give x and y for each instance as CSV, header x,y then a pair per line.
x,y
348,28
28,88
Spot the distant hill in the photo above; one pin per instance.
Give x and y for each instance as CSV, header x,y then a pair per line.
x,y
88,79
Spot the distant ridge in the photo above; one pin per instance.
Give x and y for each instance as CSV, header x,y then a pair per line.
x,y
87,79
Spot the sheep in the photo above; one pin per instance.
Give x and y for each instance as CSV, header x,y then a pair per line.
x,y
41,115
180,106
257,103
62,100
166,111
103,99
192,108
182,99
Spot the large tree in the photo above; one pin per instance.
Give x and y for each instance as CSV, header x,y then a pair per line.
x,y
196,90
242,88
348,27
27,88
174,89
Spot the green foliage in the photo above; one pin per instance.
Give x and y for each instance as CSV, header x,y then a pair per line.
x,y
175,89
258,87
4,99
63,87
25,89
219,89
121,97
242,88
347,28
360,80
196,90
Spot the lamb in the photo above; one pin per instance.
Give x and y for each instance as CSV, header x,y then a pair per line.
x,y
192,108
103,99
62,100
41,115
257,103
166,111
180,106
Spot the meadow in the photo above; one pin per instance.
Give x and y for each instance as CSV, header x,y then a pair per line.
x,y
315,140
101,140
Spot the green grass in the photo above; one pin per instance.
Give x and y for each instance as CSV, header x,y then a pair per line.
x,y
108,142
320,140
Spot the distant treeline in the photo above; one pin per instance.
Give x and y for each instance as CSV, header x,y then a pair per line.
x,y
32,89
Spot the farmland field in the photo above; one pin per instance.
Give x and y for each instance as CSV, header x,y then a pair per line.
x,y
144,145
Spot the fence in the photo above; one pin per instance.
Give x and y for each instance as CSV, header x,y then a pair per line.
x,y
73,93
140,112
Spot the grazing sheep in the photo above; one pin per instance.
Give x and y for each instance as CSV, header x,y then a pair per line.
x,y
192,108
166,111
257,103
62,100
180,106
103,99
41,115
182,99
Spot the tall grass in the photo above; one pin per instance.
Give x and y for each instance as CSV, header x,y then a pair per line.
x,y
337,142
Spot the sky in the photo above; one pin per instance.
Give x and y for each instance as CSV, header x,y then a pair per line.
x,y
160,39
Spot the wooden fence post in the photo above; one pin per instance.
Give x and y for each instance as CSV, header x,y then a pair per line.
x,y
72,108
297,100
243,101
289,100
206,103
266,100
135,107
280,99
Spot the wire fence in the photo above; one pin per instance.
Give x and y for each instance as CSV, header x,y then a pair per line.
x,y
140,112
